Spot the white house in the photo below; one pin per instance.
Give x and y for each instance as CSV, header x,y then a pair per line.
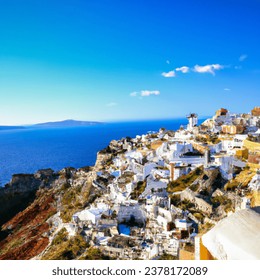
x,y
148,168
160,173
129,187
102,206
162,150
116,194
225,164
177,149
238,140
227,144
144,138
253,121
182,224
135,212
196,160
138,177
71,229
162,221
136,167
118,162
181,135
154,185
178,169
134,155
165,213
216,148
93,215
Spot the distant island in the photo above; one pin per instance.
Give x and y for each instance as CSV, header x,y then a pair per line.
x,y
67,123
64,123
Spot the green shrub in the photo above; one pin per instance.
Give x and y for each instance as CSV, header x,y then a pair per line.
x,y
224,201
94,254
138,190
175,199
194,187
167,257
66,249
231,185
61,237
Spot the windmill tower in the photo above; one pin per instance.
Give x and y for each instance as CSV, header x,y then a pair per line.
x,y
193,121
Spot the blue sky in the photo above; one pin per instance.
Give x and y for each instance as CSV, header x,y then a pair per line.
x,y
124,60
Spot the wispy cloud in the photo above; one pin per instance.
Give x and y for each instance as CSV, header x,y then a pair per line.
x,y
168,61
210,68
144,93
111,104
169,74
183,69
227,89
149,92
243,57
133,93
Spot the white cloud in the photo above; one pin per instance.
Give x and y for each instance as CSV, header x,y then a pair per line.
x,y
149,92
183,69
227,89
210,68
169,74
243,57
111,104
133,93
168,61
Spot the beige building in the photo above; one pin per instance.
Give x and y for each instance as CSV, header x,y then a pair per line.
x,y
232,129
221,112
255,111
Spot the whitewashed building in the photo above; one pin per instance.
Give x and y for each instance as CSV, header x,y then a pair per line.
x,y
134,155
134,212
148,167
182,224
92,215
225,164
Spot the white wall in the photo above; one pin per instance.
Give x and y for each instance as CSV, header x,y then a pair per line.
x,y
148,168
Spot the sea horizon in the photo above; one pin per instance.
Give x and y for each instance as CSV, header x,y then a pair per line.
x,y
28,125
24,151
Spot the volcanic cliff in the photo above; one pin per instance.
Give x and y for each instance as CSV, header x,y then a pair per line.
x,y
30,200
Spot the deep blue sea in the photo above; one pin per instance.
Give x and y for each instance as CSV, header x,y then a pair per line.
x,y
30,149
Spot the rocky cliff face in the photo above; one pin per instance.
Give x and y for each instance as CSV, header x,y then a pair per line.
x,y
28,230
29,202
21,191
102,160
210,181
105,156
